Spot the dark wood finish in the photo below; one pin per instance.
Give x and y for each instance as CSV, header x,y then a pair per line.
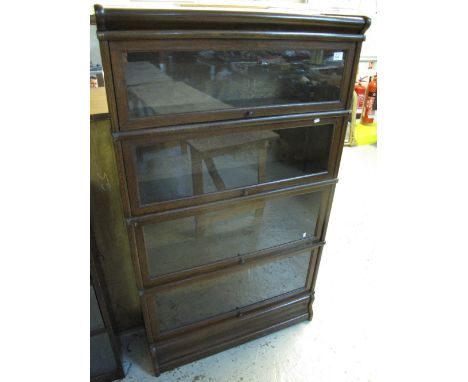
x,y
216,205
188,132
139,222
230,332
127,19
102,297
204,129
148,294
202,136
119,50
107,68
218,34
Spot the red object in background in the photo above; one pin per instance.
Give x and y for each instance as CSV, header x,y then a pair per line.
x,y
360,90
369,109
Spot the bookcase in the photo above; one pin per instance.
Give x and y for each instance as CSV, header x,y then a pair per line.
x,y
228,128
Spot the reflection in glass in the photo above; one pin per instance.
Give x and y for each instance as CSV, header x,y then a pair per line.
x,y
244,286
184,243
178,169
169,82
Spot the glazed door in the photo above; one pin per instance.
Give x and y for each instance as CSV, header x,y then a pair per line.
x,y
233,291
179,244
169,82
197,167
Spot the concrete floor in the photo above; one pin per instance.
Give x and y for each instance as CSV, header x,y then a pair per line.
x,y
336,345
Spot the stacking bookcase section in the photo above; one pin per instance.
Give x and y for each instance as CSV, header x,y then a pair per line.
x,y
232,291
180,243
211,338
228,130
237,287
170,168
162,83
198,315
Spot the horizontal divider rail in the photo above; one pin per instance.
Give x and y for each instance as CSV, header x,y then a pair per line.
x,y
198,209
223,266
214,34
253,311
227,125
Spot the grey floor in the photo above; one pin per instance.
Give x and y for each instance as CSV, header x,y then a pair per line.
x,y
336,345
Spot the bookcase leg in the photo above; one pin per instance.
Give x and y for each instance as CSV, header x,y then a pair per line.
x,y
152,349
311,311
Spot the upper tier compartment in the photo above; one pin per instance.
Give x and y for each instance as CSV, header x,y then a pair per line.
x,y
178,66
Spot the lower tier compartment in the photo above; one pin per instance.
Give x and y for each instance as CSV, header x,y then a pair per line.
x,y
236,288
188,347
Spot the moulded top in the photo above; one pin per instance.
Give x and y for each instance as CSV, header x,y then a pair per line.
x,y
189,16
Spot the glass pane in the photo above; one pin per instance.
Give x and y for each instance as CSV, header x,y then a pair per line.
x,y
170,82
245,286
187,242
96,319
178,169
102,356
